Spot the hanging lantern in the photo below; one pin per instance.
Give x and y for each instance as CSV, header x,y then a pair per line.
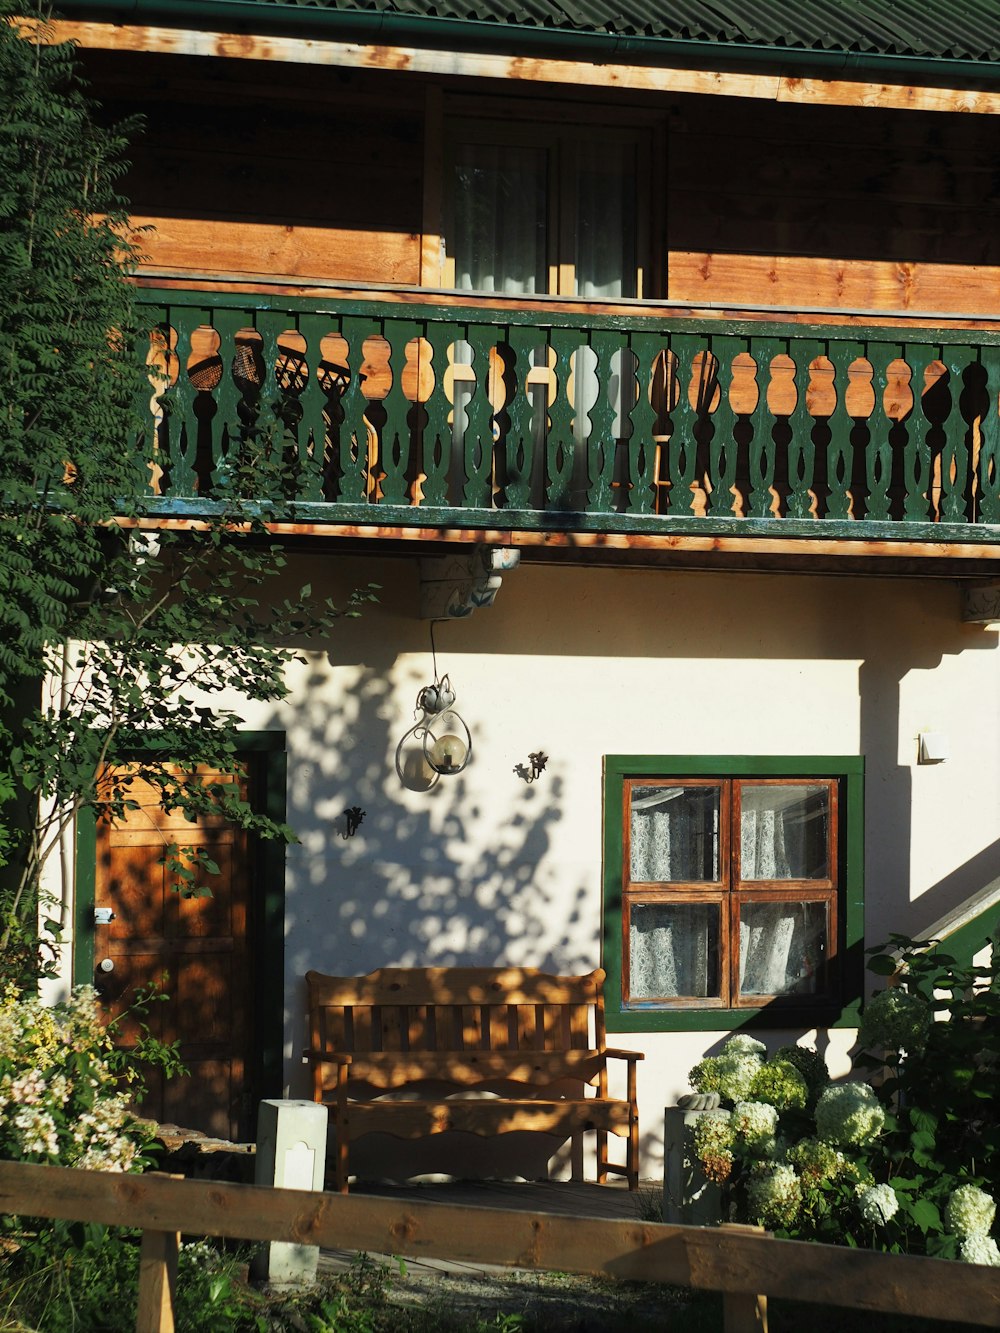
x,y
446,740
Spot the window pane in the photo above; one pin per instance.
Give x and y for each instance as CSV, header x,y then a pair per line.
x,y
498,231
782,947
605,182
674,834
785,831
673,950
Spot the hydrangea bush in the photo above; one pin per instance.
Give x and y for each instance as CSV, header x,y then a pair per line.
x,y
61,1100
902,1162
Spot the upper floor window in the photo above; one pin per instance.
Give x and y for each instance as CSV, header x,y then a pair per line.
x,y
544,209
728,885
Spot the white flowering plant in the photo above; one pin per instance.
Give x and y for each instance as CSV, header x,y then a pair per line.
x,y
61,1095
901,1162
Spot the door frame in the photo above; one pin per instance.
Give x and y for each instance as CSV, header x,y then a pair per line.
x,y
266,907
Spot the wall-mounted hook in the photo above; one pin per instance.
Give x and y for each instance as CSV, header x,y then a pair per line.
x,y
534,768
353,816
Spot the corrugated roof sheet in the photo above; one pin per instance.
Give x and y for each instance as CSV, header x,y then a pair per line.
x,y
967,30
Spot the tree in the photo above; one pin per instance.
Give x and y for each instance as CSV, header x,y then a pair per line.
x,y
113,639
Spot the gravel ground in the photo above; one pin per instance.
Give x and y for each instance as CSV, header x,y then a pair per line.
x,y
543,1301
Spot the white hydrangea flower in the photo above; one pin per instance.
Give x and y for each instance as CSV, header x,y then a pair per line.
x,y
756,1123
878,1203
895,1020
729,1074
970,1212
980,1250
746,1044
774,1195
849,1113
712,1141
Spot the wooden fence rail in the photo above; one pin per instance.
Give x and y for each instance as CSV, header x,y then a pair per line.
x,y
735,1261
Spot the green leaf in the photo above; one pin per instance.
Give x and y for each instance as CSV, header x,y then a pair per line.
x,y
924,1215
883,965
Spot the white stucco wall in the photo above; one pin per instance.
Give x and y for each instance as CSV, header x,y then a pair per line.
x,y
583,662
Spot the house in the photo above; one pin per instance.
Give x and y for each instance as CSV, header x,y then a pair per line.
x,y
648,359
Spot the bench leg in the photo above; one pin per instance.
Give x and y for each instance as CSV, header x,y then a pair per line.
x,y
340,1160
632,1161
602,1157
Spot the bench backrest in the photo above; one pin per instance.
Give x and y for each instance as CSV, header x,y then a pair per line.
x,y
452,1010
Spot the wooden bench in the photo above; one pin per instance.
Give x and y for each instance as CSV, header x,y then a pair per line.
x,y
535,1040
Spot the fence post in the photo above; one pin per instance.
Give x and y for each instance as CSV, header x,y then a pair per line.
x,y
157,1282
291,1154
742,1311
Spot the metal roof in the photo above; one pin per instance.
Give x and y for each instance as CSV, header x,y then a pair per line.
x,y
964,30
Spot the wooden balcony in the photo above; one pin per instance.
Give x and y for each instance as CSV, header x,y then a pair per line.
x,y
417,416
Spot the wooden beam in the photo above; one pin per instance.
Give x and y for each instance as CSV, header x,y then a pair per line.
x,y
840,549
772,86
711,1258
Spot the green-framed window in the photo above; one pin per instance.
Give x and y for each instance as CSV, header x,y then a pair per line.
x,y
733,890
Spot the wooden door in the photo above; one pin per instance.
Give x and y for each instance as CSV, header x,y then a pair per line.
x,y
195,949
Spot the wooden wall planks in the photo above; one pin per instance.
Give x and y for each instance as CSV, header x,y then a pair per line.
x,y
806,206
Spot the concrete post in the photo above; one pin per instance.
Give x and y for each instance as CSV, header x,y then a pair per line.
x,y
291,1155
688,1197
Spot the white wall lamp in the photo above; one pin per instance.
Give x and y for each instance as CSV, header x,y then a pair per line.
x,y
933,747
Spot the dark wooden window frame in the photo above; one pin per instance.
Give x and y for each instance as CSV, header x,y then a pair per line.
x,y
545,124
837,1001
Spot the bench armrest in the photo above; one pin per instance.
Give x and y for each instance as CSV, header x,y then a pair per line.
x,y
321,1058
615,1054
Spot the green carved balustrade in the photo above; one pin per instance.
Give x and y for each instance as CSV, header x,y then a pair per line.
x,y
378,413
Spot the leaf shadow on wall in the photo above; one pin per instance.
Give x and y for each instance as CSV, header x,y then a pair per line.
x,y
449,876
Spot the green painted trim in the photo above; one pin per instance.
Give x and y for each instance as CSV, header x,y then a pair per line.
x,y
504,317
267,908
392,28
965,942
852,928
269,932
538,520
84,894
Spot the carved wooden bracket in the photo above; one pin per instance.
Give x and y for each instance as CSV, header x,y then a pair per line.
x,y
981,603
452,586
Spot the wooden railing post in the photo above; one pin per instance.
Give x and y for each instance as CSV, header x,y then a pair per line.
x,y
743,1311
157,1281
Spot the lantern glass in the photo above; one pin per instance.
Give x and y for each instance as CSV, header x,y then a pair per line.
x,y
447,743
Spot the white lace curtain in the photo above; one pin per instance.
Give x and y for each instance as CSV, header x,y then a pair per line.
x,y
782,836
781,947
673,949
674,838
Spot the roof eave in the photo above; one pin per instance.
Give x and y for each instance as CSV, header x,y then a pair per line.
x,y
379,28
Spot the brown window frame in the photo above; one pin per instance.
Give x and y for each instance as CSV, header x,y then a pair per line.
x,y
731,891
